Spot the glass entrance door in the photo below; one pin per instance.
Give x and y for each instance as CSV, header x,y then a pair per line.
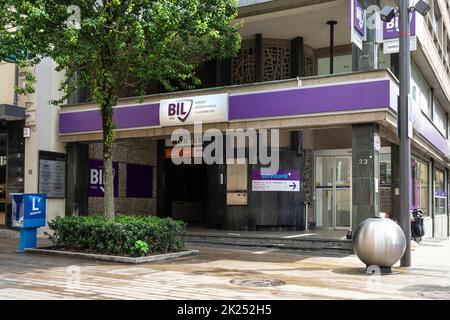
x,y
333,191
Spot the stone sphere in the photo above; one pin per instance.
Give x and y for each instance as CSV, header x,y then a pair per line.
x,y
379,241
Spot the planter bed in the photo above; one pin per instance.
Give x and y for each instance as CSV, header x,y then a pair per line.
x,y
105,257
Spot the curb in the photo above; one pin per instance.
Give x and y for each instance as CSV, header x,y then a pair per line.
x,y
121,259
8,234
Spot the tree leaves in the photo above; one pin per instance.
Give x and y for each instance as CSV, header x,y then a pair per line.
x,y
107,45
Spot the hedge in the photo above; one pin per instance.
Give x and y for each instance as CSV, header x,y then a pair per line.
x,y
124,235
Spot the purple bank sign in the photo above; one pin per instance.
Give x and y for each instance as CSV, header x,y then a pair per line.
x,y
96,169
282,180
359,18
357,23
391,30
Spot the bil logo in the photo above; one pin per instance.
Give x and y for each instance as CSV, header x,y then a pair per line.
x,y
181,109
97,178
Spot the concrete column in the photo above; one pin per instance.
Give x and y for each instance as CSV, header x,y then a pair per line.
x,y
297,147
77,176
395,182
297,55
259,58
365,172
163,173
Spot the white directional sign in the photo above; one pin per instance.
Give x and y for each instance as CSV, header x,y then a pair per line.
x,y
282,180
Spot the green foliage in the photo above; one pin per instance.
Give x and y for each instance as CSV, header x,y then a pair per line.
x,y
140,248
119,44
124,235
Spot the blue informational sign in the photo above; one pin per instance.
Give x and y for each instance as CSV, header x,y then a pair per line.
x,y
34,210
28,214
28,210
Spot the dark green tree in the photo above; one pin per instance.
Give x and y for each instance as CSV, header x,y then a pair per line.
x,y
108,45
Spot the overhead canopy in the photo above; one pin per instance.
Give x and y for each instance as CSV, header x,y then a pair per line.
x,y
10,112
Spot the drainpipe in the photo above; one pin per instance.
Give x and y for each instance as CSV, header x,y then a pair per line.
x,y
16,84
331,23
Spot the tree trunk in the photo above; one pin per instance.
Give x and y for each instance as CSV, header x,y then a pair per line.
x,y
108,174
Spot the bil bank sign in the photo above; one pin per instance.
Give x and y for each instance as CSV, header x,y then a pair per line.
x,y
185,111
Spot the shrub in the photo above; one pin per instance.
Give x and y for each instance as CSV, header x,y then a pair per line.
x,y
140,248
125,235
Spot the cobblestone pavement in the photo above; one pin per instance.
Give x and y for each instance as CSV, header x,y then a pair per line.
x,y
220,272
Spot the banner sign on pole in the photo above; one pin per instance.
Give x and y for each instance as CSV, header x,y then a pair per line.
x,y
357,23
391,34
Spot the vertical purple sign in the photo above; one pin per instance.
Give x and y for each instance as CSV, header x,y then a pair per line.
x,y
391,30
139,181
359,18
95,186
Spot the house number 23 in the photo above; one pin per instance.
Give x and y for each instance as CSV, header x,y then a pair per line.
x,y
363,161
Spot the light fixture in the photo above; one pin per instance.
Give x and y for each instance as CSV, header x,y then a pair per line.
x,y
387,14
422,7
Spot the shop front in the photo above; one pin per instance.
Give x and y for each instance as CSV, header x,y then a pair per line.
x,y
235,191
336,155
12,150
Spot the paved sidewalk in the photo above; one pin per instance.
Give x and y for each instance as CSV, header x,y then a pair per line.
x,y
208,276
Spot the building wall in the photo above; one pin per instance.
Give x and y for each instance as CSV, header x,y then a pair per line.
x,y
134,151
434,46
7,79
42,118
385,200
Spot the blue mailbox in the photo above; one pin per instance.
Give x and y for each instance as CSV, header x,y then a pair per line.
x,y
28,214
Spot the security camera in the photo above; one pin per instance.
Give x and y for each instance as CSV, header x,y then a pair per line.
x,y
387,13
422,7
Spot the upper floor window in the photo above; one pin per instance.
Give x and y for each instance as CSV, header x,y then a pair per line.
x,y
439,117
439,192
421,92
437,23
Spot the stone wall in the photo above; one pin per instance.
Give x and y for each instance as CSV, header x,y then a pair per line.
x,y
136,151
385,200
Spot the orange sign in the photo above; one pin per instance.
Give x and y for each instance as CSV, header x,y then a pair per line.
x,y
183,153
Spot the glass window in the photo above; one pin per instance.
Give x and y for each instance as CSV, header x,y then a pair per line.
x,y
324,171
439,117
421,92
448,50
439,192
341,64
419,185
438,24
385,169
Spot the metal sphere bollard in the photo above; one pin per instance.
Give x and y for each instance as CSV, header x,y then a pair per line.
x,y
379,242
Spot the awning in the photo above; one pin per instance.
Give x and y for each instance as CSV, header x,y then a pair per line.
x,y
10,112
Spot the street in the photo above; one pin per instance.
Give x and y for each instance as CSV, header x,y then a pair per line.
x,y
221,272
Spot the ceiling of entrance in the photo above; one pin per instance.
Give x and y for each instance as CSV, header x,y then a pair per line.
x,y
308,22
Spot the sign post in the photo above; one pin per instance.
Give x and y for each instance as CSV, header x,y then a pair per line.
x,y
403,124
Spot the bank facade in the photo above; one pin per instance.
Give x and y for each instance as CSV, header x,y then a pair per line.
x,y
334,104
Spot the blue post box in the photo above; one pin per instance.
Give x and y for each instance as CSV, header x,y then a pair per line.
x,y
28,214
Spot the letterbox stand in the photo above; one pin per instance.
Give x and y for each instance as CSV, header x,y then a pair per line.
x,y
28,214
28,238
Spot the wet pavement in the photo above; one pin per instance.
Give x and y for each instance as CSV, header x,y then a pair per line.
x,y
224,272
